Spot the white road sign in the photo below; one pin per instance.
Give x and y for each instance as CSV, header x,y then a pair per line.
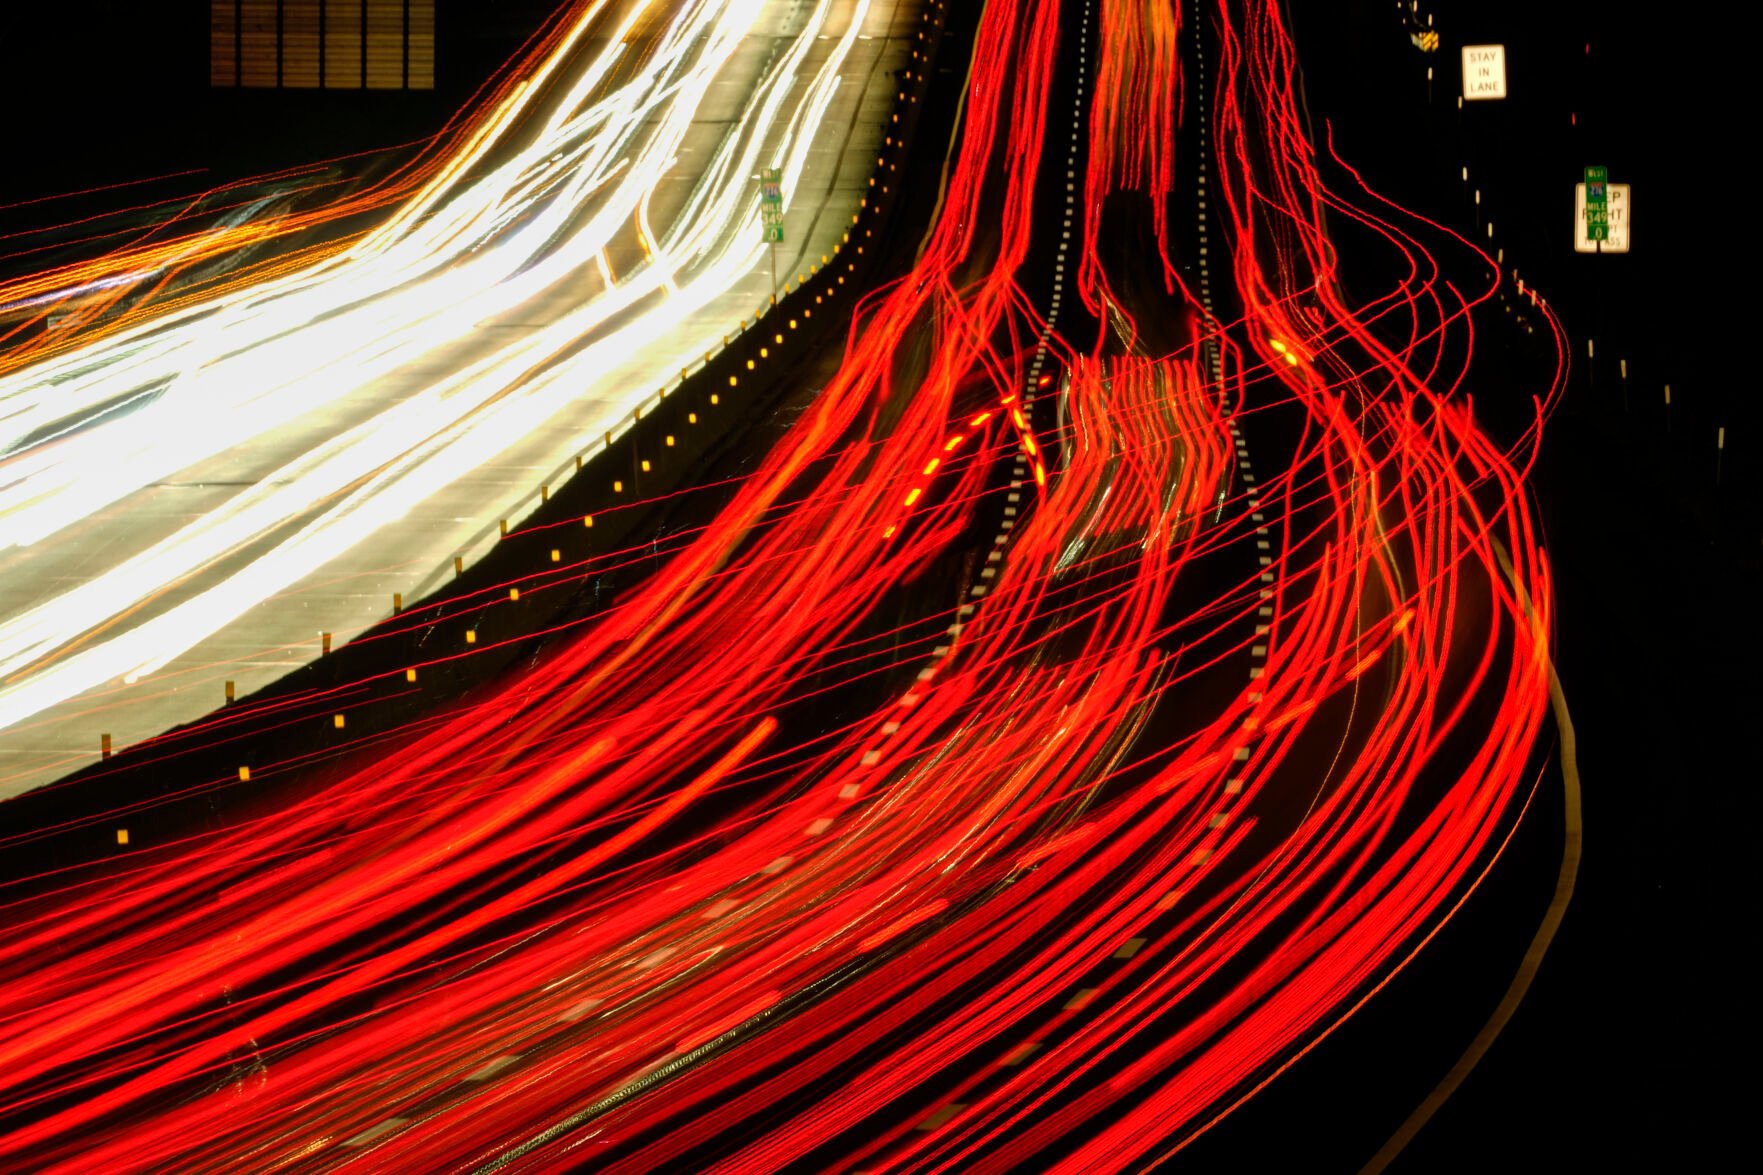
x,y
1484,72
1617,241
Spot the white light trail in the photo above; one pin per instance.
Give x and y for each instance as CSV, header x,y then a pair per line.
x,y
532,208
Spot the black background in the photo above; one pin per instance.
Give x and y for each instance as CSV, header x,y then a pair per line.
x,y
1630,1052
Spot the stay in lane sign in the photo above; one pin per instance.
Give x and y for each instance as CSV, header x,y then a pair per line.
x,y
1484,72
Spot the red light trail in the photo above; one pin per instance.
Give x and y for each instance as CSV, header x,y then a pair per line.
x,y
1063,889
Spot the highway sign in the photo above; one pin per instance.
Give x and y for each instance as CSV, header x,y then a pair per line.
x,y
771,204
1597,204
1484,72
1616,221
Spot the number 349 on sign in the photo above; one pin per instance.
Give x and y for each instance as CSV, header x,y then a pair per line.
x,y
1601,230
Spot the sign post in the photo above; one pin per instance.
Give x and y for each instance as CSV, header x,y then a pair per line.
x,y
771,214
1484,72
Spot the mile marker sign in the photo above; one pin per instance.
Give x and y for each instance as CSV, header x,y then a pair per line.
x,y
771,204
1597,203
1616,221
1484,72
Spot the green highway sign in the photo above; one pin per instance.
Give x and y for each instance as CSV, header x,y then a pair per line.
x,y
1597,203
1606,228
771,204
